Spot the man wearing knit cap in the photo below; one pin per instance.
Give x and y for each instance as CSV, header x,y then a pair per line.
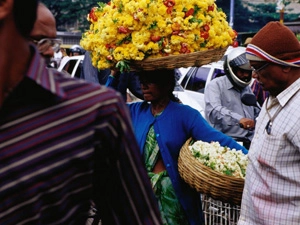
x,y
272,186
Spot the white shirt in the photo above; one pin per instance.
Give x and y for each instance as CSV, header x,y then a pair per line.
x,y
272,187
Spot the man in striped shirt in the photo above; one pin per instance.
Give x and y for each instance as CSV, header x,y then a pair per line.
x,y
64,143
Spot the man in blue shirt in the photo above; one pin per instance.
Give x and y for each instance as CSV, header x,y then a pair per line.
x,y
223,106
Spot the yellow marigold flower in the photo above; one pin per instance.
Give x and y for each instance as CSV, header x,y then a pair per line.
x,y
148,28
139,38
161,9
175,40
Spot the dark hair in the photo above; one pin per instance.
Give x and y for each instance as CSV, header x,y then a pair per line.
x,y
161,77
25,15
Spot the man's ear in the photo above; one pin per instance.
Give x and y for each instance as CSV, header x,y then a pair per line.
x,y
6,7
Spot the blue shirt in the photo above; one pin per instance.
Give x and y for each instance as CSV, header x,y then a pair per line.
x,y
173,127
224,108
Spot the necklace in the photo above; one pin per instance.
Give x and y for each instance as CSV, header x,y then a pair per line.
x,y
158,108
271,119
156,113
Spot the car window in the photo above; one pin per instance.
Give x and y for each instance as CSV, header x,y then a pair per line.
x,y
196,78
78,70
178,87
217,73
69,67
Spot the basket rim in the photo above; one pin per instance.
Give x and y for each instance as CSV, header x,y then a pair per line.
x,y
193,59
193,54
216,173
207,181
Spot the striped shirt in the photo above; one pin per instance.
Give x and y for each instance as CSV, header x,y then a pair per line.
x,y
64,143
259,93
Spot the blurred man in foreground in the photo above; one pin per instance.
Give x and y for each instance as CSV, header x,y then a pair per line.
x,y
64,143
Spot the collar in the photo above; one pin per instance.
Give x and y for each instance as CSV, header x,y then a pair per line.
x,y
43,76
286,95
227,83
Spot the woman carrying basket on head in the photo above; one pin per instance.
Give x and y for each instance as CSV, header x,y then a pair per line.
x,y
162,125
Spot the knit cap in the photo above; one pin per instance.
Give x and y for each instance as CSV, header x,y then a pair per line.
x,y
275,43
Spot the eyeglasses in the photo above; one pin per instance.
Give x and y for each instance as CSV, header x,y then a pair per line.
x,y
45,43
259,69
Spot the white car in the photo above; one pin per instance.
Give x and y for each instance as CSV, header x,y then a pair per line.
x,y
186,99
73,64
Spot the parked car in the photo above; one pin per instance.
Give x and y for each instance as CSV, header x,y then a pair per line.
x,y
73,64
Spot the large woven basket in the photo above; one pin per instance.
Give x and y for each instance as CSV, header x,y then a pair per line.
x,y
221,187
195,59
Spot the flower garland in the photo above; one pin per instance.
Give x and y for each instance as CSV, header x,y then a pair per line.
x,y
228,161
125,30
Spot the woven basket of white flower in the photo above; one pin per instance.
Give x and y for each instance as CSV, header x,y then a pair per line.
x,y
213,170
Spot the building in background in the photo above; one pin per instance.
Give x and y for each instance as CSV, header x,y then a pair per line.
x,y
69,39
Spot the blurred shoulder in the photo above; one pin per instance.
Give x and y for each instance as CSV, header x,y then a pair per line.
x,y
76,87
180,107
140,105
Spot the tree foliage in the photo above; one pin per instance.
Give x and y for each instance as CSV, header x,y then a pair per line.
x,y
248,17
69,12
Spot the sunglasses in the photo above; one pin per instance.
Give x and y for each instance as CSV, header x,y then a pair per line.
x,y
46,43
148,81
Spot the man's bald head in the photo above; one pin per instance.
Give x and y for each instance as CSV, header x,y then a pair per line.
x,y
44,27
